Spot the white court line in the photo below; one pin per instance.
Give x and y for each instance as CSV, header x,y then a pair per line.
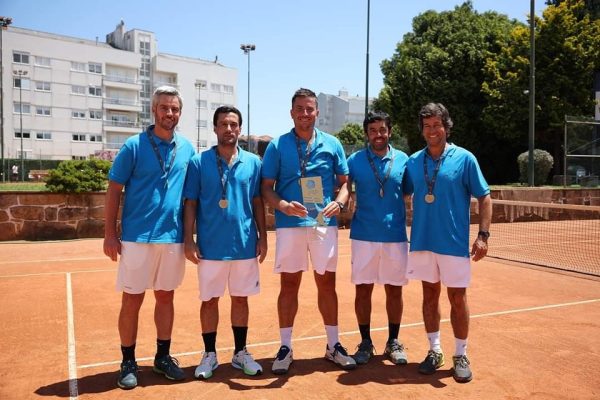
x,y
303,339
56,273
72,361
52,260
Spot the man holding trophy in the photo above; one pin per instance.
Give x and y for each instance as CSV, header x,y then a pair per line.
x,y
302,171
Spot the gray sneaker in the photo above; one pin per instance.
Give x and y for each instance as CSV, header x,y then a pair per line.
x,y
128,375
364,352
169,367
244,361
395,352
339,356
462,371
433,361
283,360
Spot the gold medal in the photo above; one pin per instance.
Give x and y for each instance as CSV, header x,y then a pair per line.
x,y
381,192
429,198
223,203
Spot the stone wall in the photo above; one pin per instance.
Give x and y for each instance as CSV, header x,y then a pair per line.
x,y
50,216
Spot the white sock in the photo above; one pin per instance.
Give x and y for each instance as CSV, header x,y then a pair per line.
x,y
461,347
434,341
332,335
286,336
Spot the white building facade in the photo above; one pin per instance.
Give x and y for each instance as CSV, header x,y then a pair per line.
x,y
70,98
337,111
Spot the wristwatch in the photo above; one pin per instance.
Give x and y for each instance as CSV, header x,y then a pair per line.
x,y
483,234
339,203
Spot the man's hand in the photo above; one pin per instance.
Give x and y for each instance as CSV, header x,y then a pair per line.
x,y
112,247
261,248
294,209
192,252
479,249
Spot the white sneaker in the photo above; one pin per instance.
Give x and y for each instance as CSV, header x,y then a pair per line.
x,y
206,367
395,351
340,356
282,362
244,361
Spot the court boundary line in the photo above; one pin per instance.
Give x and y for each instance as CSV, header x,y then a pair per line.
x,y
348,333
72,360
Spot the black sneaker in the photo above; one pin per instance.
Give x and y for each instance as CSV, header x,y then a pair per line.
x,y
169,367
433,361
128,375
462,371
364,352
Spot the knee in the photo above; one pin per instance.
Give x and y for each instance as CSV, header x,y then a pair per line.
x,y
164,297
132,302
210,304
237,301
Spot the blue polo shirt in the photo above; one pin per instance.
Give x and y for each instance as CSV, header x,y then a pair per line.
x,y
443,226
152,208
282,163
224,233
378,219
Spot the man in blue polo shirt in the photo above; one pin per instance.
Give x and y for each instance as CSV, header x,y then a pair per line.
x,y
443,177
378,233
151,167
301,171
222,197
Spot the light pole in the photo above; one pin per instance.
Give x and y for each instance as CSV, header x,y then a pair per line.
x,y
530,166
20,73
4,23
247,48
367,71
199,87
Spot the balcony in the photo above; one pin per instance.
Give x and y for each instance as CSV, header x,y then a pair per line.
x,y
122,82
121,104
122,126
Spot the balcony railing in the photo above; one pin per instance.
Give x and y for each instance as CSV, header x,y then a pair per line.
x,y
124,102
120,78
124,124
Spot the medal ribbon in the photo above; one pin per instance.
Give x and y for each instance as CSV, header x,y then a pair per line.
x,y
431,184
303,158
164,168
222,175
387,174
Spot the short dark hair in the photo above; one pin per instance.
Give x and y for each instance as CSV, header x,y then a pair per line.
x,y
303,92
226,110
436,110
373,116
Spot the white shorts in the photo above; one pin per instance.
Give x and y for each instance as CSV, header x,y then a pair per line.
x,y
157,266
294,244
241,276
453,271
379,262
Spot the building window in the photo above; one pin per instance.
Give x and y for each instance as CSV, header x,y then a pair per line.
x,y
95,91
201,84
145,48
42,110
78,158
23,83
76,89
78,137
80,114
214,106
95,68
95,114
42,61
201,103
42,85
21,58
215,87
43,135
228,89
24,108
77,66
96,138
26,135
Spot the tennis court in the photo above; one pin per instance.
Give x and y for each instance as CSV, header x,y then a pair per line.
x,y
534,335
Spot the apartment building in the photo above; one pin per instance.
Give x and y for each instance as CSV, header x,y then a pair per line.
x,y
71,98
337,111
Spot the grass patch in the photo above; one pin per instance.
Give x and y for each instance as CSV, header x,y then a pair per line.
x,y
23,186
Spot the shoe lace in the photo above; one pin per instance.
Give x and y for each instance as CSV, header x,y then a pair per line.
x,y
366,346
395,346
171,362
129,366
462,361
434,355
282,353
338,348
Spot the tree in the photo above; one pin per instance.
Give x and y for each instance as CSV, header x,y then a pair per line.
x,y
351,134
567,56
591,6
79,176
442,60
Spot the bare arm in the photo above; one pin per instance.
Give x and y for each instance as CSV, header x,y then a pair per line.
x,y
480,247
291,208
192,252
261,225
112,243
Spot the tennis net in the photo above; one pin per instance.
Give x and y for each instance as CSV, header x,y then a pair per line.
x,y
560,236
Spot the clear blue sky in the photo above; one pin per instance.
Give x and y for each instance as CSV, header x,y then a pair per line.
x,y
318,44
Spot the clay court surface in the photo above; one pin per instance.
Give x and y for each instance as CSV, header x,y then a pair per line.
x,y
535,334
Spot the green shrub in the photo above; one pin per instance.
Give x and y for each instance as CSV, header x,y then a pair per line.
x,y
79,176
542,164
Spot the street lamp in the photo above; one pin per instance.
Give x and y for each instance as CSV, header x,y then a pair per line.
x,y
199,87
4,23
20,73
247,48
